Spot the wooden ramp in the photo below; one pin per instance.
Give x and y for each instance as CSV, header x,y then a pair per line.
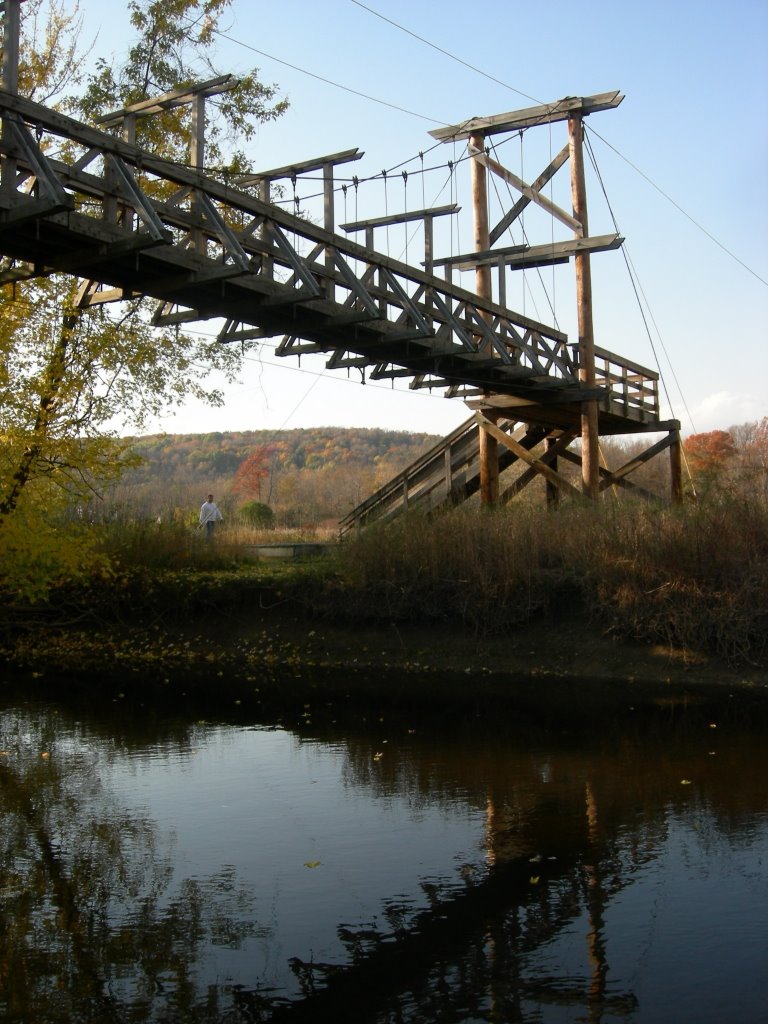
x,y
443,477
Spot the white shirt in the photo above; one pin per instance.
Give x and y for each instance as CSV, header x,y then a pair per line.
x,y
209,513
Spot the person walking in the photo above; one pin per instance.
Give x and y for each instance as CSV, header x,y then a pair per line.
x,y
209,516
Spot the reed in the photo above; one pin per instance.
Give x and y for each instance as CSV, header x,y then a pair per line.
x,y
694,578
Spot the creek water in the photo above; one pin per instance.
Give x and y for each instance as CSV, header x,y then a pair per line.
x,y
333,863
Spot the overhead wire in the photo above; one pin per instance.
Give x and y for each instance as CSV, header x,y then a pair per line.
x,y
440,49
634,280
511,88
678,207
329,81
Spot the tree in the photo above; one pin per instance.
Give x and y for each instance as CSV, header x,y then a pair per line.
x,y
67,373
175,46
252,473
711,451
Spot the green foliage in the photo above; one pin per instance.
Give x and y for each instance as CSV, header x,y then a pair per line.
x,y
257,514
39,549
51,63
66,373
175,46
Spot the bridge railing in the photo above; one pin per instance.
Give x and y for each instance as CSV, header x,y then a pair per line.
x,y
79,200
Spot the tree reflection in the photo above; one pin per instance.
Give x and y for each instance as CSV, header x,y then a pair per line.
x,y
94,925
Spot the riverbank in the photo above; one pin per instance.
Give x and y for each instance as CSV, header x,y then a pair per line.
x,y
266,652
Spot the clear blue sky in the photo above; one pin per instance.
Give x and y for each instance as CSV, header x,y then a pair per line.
x,y
693,124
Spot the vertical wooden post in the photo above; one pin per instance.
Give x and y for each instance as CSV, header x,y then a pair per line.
x,y
590,468
329,218
676,468
197,159
488,446
265,196
489,462
11,35
479,178
553,492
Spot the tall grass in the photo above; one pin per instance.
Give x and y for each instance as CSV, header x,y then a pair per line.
x,y
694,577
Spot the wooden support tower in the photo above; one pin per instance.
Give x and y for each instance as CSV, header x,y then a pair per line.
x,y
592,413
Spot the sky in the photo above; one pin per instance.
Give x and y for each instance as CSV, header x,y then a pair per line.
x,y
682,173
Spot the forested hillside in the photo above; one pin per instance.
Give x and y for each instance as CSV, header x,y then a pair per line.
x,y
315,476
307,476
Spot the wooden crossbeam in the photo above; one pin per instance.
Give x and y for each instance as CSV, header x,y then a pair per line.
x,y
302,167
617,475
532,473
399,218
518,256
547,113
495,234
530,193
536,464
170,100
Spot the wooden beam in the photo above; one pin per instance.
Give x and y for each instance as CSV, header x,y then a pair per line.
x,y
516,256
523,201
303,167
676,468
590,475
614,476
525,455
535,197
169,100
627,485
547,113
399,218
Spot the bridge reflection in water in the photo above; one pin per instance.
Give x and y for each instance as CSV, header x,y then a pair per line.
x,y
325,867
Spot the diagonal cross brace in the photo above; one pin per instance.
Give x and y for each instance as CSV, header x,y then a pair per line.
x,y
406,303
141,204
357,288
38,162
224,233
528,192
297,264
523,201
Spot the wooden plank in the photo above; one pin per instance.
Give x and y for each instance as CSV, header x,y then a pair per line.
x,y
399,218
534,196
171,99
547,113
535,255
302,167
523,201
523,453
603,353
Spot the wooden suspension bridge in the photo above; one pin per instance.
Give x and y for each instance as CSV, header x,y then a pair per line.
x,y
128,224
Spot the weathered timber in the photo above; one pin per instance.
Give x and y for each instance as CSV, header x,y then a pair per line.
x,y
539,465
511,215
478,156
525,256
547,113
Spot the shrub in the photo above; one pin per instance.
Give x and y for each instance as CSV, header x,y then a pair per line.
x,y
257,514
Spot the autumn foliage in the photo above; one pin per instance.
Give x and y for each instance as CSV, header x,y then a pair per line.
x,y
711,451
252,473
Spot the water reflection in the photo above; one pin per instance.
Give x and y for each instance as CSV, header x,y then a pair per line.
x,y
339,866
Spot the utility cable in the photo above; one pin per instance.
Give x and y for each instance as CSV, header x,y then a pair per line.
x,y
446,53
678,207
636,289
328,81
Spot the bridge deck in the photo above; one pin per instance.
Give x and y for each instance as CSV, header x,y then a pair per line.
x,y
132,224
